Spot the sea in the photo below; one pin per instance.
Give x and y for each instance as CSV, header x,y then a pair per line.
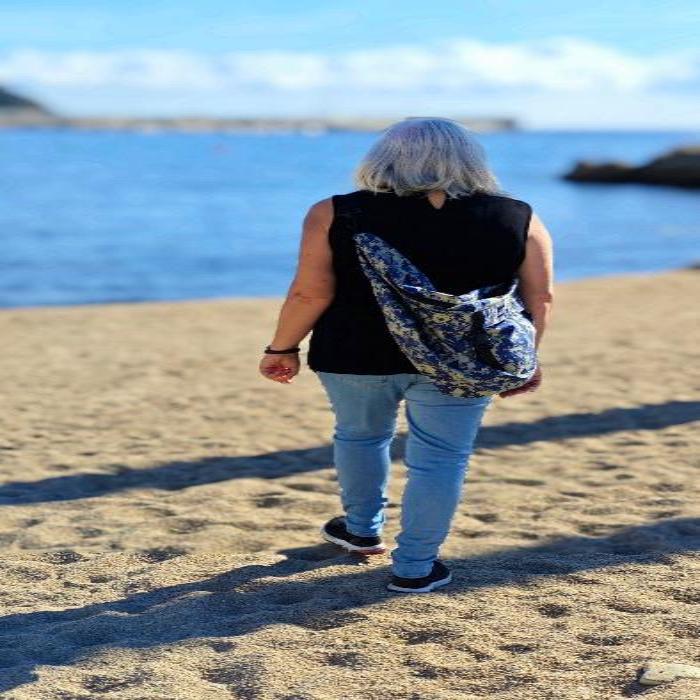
x,y
98,216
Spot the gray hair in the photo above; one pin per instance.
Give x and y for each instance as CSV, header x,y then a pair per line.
x,y
421,154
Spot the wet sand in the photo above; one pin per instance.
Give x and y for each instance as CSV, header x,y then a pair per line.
x,y
160,506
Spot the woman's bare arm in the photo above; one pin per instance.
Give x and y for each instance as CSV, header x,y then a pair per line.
x,y
313,286
536,286
536,275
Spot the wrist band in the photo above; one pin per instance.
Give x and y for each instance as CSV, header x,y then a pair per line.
x,y
269,351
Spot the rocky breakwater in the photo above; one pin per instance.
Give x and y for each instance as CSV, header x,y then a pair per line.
x,y
311,125
679,167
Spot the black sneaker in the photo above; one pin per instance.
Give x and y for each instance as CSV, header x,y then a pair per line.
x,y
439,576
334,531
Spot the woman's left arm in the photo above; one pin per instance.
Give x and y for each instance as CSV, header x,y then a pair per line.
x,y
310,293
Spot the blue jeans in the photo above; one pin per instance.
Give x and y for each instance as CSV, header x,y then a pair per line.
x,y
441,433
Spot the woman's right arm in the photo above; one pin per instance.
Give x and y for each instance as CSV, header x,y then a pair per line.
x,y
536,275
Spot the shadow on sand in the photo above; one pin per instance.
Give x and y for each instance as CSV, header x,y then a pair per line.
x,y
174,476
227,605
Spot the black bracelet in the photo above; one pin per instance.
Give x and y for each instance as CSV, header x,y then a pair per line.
x,y
269,351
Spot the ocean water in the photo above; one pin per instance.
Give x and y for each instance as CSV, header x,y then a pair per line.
x,y
92,217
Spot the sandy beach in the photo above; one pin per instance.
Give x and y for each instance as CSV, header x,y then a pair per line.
x,y
161,501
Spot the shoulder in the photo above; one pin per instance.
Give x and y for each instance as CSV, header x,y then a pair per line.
x,y
358,197
509,210
320,214
326,207
326,210
502,200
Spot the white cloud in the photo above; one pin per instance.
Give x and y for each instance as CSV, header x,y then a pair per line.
x,y
564,64
273,69
149,69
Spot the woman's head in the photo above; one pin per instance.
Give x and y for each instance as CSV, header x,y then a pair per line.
x,y
425,154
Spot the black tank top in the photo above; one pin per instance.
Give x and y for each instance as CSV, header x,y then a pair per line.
x,y
468,243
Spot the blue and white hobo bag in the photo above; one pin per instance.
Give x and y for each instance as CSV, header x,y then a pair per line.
x,y
475,344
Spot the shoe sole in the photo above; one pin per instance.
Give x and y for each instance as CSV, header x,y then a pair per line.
x,y
426,589
377,549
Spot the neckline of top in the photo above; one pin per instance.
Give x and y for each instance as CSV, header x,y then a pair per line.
x,y
420,197
433,207
426,199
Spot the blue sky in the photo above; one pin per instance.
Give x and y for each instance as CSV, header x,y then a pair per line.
x,y
549,64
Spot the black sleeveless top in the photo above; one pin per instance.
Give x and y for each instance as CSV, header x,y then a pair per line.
x,y
470,242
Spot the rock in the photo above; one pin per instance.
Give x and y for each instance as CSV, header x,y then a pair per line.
x,y
657,672
679,167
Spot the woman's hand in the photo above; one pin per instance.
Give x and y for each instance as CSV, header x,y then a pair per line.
x,y
280,368
532,385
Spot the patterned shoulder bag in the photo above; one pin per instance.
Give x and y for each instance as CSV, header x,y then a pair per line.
x,y
476,344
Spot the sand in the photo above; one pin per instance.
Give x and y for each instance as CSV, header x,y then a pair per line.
x,y
161,502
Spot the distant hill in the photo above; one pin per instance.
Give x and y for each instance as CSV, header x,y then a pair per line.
x,y
16,105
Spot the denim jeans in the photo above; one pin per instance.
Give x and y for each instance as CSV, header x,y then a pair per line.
x,y
441,433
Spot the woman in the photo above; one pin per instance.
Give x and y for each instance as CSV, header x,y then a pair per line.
x,y
424,188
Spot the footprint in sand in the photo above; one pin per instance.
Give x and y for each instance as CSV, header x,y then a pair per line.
x,y
598,529
313,488
486,517
425,670
185,526
685,596
612,640
553,610
525,535
107,684
522,482
89,532
518,648
329,621
473,534
668,486
428,636
153,556
26,574
627,607
272,501
665,514
65,556
684,630
348,659
606,466
241,677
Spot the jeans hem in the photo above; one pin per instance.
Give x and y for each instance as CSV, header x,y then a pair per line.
x,y
410,574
